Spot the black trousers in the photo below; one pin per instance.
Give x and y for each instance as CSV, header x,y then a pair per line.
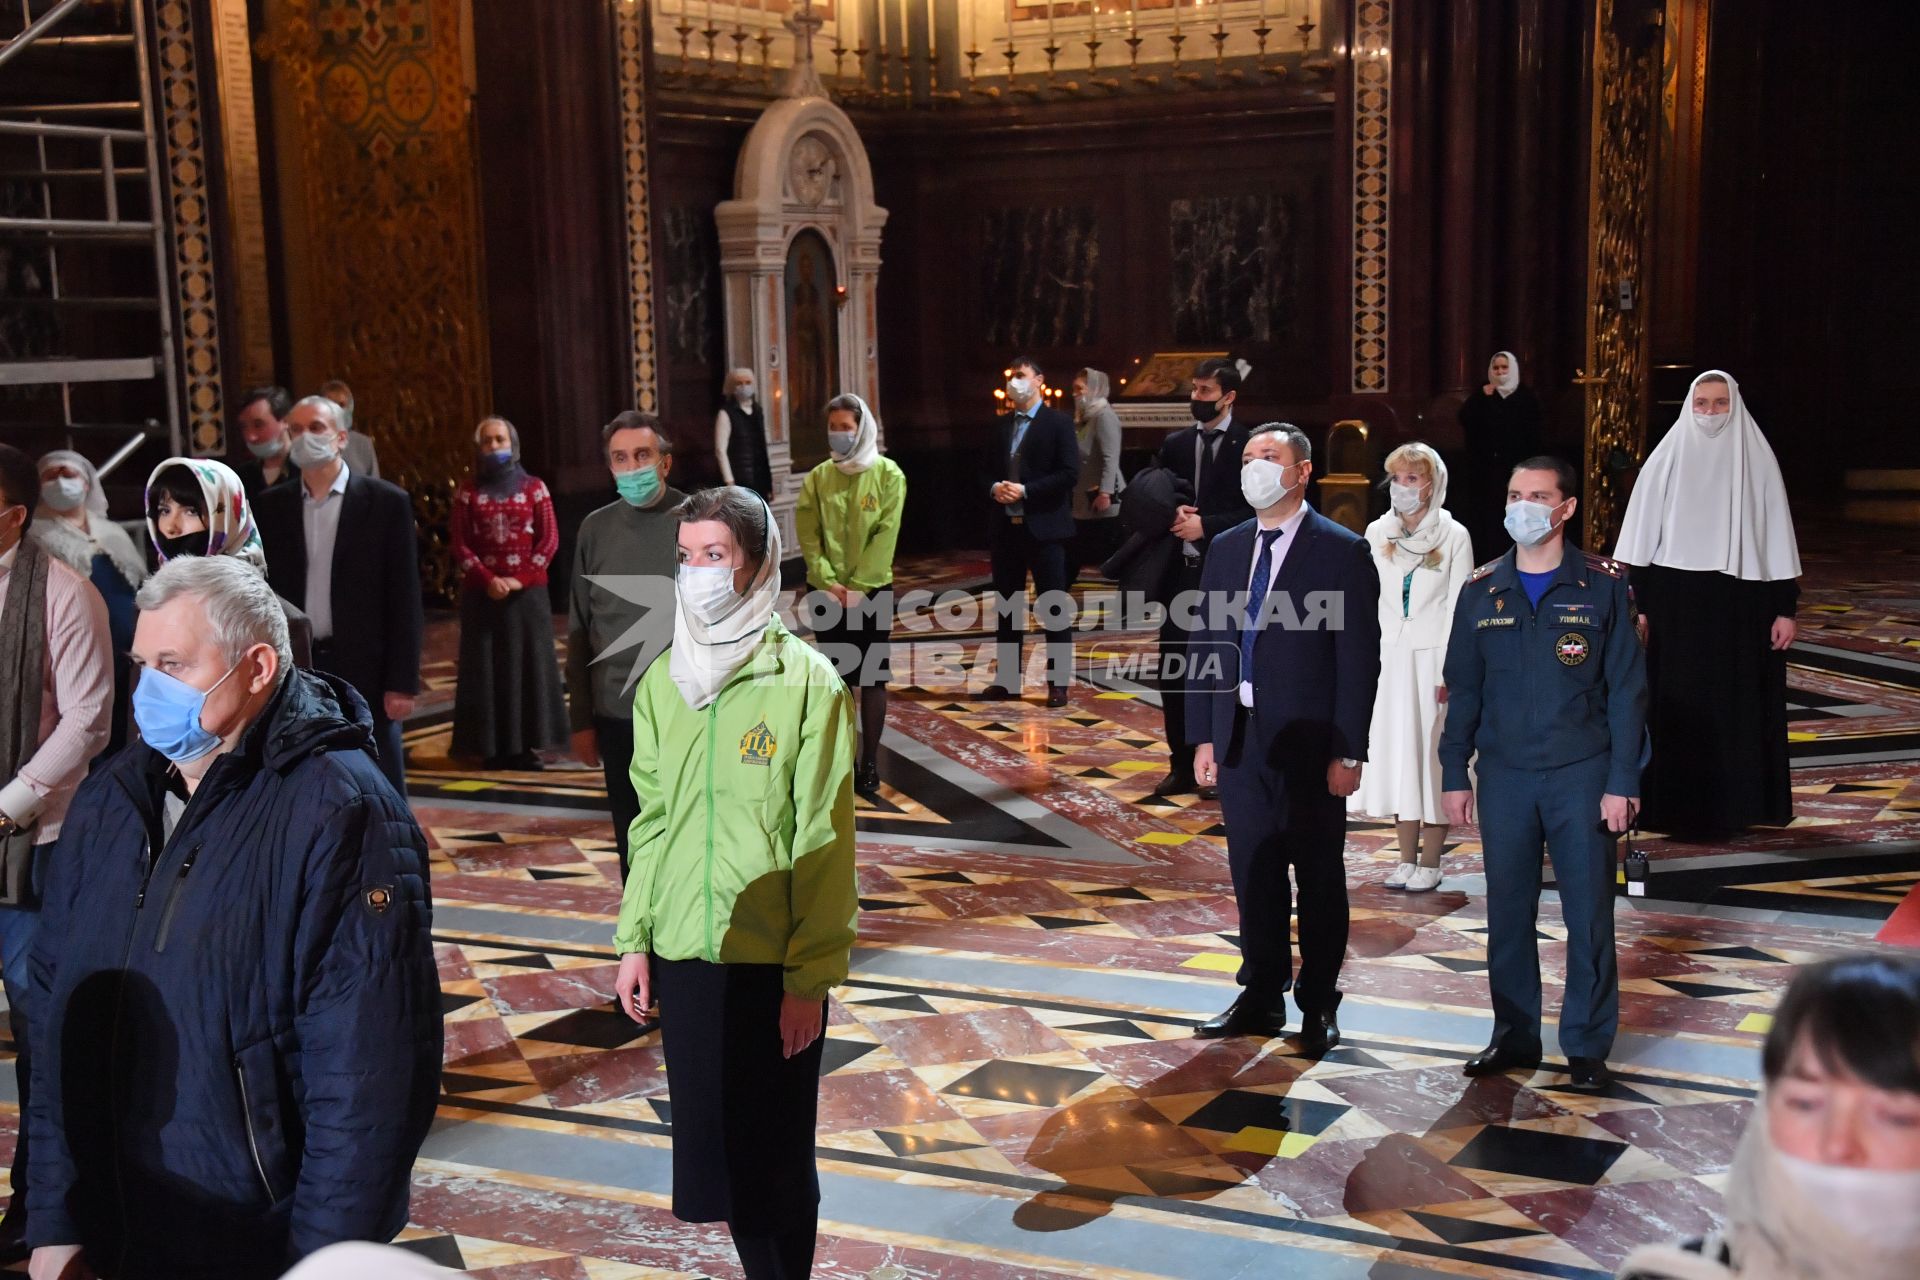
x,y
615,740
387,742
1015,554
1173,659
1285,830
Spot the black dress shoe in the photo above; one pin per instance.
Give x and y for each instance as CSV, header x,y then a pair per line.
x,y
998,693
1589,1073
1174,784
1246,1016
1320,1034
1057,696
866,778
1495,1059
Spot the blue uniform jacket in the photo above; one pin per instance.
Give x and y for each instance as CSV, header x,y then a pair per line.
x,y
235,1034
1540,688
1313,683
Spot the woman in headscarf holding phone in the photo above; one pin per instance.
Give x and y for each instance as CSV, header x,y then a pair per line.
x,y
1710,537
739,908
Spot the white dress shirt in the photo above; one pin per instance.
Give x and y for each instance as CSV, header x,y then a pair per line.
x,y
1289,530
1206,446
322,523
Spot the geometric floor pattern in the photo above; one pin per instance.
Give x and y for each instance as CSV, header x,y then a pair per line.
x,y
1010,1088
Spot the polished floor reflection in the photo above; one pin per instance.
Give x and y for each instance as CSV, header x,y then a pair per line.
x,y
1011,1088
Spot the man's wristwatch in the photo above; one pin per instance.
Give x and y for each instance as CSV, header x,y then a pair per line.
x,y
7,823
1349,764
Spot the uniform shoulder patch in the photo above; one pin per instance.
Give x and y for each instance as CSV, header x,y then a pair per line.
x,y
1484,570
1604,564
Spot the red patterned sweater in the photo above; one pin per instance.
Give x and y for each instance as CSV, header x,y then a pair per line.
x,y
512,537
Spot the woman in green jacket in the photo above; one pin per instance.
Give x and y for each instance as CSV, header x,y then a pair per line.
x,y
848,518
739,908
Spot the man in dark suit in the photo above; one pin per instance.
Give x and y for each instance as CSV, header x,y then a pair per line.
x,y
1207,456
343,546
262,418
1036,461
1279,713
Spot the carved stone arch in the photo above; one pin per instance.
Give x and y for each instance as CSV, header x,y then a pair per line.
x,y
803,167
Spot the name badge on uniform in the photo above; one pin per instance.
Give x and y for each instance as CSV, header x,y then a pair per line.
x,y
1484,623
1574,620
1571,648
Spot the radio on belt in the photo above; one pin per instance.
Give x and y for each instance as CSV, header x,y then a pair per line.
x,y
1636,869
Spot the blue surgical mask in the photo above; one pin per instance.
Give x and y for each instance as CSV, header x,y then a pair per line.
x,y
168,709
1529,523
500,457
639,486
64,493
841,442
267,448
706,590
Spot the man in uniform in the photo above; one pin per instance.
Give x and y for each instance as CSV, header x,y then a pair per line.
x,y
1546,681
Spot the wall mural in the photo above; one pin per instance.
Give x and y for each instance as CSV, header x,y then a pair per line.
x,y
689,300
1041,267
1233,274
391,255
813,346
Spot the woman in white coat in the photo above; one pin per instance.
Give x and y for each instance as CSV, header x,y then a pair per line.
x,y
1424,557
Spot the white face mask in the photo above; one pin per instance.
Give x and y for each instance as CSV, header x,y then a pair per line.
x,y
1020,390
64,493
706,590
1264,483
1406,498
1529,523
313,449
744,392
1712,423
1876,1207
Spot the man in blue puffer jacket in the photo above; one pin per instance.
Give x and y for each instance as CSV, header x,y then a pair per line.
x,y
234,1006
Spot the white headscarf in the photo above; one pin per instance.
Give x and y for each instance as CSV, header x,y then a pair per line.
x,y
68,542
866,441
1099,387
1511,383
1408,550
705,655
1712,503
230,528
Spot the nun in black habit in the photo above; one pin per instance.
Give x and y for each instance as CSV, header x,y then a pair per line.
x,y
1503,426
1714,562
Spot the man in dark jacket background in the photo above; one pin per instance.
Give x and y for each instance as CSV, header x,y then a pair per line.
x,y
235,1006
1036,461
1207,456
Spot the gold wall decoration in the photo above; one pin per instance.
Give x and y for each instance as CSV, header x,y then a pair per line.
x,y
196,302
381,229
630,35
1372,150
1619,227
251,320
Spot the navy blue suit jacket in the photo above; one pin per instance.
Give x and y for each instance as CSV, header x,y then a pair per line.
x,y
1049,467
1313,683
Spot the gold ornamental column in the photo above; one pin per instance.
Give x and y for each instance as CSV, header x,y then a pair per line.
x,y
1619,250
630,37
380,228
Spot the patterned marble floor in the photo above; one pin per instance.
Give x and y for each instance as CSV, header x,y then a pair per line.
x,y
1010,1086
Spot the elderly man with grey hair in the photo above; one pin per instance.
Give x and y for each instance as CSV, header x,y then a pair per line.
x,y
343,547
235,1006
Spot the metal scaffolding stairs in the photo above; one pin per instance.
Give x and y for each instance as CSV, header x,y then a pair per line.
x,y
85,257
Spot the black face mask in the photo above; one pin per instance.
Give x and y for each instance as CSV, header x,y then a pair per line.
x,y
191,544
1205,411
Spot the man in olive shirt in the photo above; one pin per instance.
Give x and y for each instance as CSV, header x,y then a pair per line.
x,y
620,611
